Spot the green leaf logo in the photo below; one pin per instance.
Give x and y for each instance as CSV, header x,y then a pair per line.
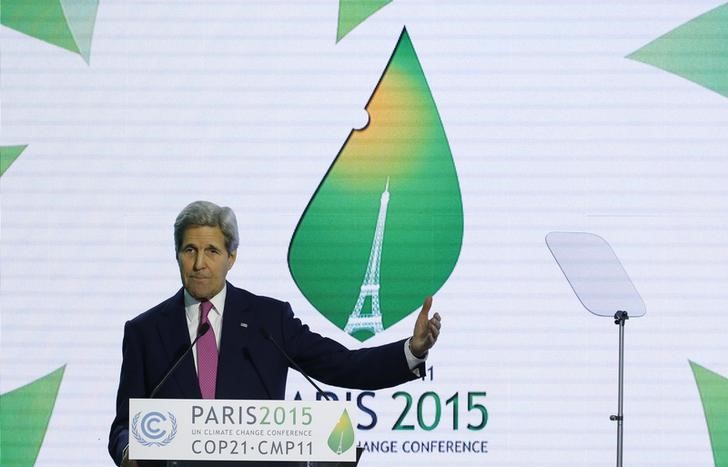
x,y
8,154
713,390
697,50
24,416
66,23
342,436
354,12
384,228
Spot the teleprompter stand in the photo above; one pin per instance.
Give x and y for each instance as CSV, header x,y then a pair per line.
x,y
619,318
604,289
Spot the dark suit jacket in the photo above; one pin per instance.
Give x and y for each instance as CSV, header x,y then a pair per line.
x,y
249,366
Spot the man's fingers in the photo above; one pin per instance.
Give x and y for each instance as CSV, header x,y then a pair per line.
x,y
426,306
427,329
434,330
434,324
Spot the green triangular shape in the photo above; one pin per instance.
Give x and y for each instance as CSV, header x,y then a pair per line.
x,y
354,12
24,416
81,16
713,390
68,24
697,50
8,154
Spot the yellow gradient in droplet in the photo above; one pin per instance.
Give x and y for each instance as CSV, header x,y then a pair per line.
x,y
391,141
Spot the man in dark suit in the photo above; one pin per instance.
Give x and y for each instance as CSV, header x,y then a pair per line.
x,y
247,365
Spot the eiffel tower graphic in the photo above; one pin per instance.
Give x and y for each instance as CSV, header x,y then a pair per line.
x,y
370,286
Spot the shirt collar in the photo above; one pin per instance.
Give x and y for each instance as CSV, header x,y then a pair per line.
x,y
192,305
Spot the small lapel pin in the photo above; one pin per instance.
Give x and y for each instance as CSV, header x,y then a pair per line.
x,y
243,324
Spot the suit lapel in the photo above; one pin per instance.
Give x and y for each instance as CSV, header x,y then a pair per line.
x,y
175,338
236,329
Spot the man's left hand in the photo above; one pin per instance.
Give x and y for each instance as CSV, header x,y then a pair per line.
x,y
426,330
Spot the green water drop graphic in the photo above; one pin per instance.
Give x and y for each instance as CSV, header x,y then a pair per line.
x,y
24,416
697,50
341,438
384,228
713,390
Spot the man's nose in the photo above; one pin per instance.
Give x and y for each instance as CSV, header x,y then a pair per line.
x,y
199,261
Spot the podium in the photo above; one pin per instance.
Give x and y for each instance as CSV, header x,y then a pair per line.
x,y
354,463
245,433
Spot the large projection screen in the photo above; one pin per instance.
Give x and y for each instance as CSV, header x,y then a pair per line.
x,y
476,127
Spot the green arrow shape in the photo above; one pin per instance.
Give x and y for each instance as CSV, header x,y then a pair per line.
x,y
342,436
697,50
8,154
336,257
66,23
354,12
713,390
24,416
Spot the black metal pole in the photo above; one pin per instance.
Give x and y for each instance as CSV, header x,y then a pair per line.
x,y
619,318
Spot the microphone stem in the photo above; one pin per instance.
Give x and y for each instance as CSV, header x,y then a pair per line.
x,y
295,365
201,331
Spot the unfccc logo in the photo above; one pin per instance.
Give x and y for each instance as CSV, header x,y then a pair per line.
x,y
156,428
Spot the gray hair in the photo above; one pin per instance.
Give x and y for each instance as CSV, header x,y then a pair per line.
x,y
205,213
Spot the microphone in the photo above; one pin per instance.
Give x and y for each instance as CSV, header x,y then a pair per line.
x,y
201,331
295,365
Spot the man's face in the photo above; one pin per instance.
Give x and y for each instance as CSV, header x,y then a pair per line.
x,y
203,261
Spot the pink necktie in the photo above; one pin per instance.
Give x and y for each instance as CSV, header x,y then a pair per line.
x,y
207,356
